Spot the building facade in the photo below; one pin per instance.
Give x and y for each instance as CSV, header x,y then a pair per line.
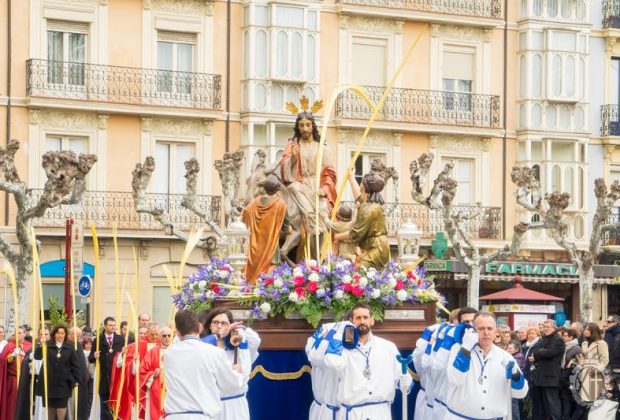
x,y
481,84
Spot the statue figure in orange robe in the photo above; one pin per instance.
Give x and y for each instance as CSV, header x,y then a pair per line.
x,y
265,217
151,377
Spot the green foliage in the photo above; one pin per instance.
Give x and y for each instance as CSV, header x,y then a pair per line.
x,y
57,314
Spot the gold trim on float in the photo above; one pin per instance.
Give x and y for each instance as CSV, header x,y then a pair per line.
x,y
290,376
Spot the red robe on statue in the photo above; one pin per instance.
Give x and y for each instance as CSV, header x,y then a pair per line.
x,y
151,384
8,378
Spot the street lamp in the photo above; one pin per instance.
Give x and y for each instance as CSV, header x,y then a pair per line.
x,y
409,236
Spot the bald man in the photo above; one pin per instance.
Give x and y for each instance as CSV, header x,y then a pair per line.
x,y
151,376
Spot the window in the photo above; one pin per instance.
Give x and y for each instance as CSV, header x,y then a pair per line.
x,y
369,61
66,52
463,171
614,83
294,42
169,174
363,163
61,143
458,79
175,56
161,304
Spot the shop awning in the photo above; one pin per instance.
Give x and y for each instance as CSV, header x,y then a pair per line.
x,y
519,293
534,279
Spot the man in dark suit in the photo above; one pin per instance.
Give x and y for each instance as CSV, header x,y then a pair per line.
x,y
546,374
110,343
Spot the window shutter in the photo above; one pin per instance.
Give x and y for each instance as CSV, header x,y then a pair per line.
x,y
177,37
457,65
65,26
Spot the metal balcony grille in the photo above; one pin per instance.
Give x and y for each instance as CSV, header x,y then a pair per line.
x,y
103,208
479,8
424,107
610,120
122,85
611,14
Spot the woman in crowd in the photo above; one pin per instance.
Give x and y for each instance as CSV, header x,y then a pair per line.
x,y
569,361
241,346
62,372
594,346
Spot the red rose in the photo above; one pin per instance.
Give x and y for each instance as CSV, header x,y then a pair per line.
x,y
356,277
315,268
298,280
357,291
300,291
411,274
268,282
312,286
348,287
399,285
215,289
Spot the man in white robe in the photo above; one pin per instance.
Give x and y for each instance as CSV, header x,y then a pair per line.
x,y
368,374
482,377
424,345
196,373
324,381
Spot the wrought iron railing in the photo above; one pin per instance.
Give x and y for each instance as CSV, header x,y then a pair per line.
x,y
481,8
424,107
123,85
487,223
103,208
612,236
611,14
610,120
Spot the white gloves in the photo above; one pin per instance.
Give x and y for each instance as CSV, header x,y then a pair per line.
x,y
404,383
470,339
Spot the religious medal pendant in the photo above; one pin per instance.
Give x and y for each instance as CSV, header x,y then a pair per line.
x,y
110,351
367,372
58,355
480,379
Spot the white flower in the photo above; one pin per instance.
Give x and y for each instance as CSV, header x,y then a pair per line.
x,y
375,293
224,274
339,266
202,284
363,281
346,263
209,294
265,307
372,272
401,295
277,283
392,281
313,277
293,297
346,279
297,272
338,294
312,263
320,291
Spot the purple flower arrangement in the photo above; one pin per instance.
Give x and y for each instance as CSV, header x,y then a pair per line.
x,y
312,290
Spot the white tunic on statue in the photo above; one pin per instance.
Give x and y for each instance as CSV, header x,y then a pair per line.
x,y
234,401
478,388
196,373
326,405
363,398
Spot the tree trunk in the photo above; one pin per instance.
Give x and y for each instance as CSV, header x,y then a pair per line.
x,y
586,283
23,286
473,288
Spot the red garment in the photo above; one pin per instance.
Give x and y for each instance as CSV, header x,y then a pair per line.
x,y
151,362
8,378
126,399
131,383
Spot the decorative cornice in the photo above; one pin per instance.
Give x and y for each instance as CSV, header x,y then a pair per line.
x,y
375,139
344,21
460,143
102,120
177,127
146,124
63,119
180,7
461,33
207,127
369,24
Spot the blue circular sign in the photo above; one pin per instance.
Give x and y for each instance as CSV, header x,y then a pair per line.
x,y
84,286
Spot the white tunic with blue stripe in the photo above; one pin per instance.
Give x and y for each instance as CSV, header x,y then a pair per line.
x,y
478,388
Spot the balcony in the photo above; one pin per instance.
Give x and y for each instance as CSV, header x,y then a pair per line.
x,y
478,8
611,14
424,107
610,120
103,208
122,85
486,225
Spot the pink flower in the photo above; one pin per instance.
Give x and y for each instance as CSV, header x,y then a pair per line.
x,y
357,291
298,280
216,289
268,282
399,285
312,286
300,291
315,268
348,287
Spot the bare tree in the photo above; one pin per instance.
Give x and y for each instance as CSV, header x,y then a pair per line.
x,y
441,198
66,173
551,217
141,178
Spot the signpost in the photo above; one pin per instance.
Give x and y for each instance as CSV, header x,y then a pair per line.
x,y
74,257
85,285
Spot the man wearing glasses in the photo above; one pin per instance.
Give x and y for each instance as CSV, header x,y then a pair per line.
x,y
151,374
612,337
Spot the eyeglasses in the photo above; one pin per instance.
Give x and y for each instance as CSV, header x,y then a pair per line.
x,y
220,323
166,335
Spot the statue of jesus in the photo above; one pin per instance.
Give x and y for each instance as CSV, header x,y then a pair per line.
x,y
298,172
